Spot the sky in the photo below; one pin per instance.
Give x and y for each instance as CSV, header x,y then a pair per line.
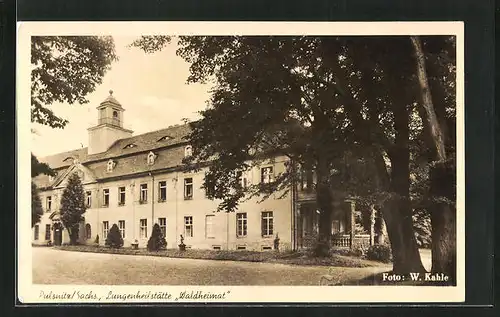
x,y
152,89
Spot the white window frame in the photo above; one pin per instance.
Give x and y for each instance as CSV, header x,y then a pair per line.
x,y
188,151
241,223
111,165
122,190
143,194
143,228
162,185
188,223
47,232
162,222
121,227
267,174
105,229
88,233
105,193
267,223
151,158
48,202
88,197
186,184
209,226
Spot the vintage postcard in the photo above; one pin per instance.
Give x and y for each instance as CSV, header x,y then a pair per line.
x,y
223,162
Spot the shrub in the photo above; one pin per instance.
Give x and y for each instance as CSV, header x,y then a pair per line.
x,y
379,252
114,239
157,240
320,249
96,241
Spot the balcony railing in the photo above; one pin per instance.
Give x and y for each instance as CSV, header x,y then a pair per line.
x,y
344,241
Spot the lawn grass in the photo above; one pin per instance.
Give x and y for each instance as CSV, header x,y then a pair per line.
x,y
283,257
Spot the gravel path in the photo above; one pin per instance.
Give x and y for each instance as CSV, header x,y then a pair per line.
x,y
52,266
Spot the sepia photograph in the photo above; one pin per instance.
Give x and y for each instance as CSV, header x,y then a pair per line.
x,y
181,165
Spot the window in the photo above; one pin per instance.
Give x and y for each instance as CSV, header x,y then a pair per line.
x,y
37,231
162,191
209,226
162,222
188,151
129,146
49,203
144,194
188,226
89,199
151,158
111,165
115,114
267,223
88,231
243,179
105,197
121,226
47,232
266,248
121,196
216,247
188,188
165,138
105,229
241,224
241,247
267,175
143,228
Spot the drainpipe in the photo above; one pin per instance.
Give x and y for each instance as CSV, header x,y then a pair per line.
x,y
99,229
176,180
132,189
152,200
227,231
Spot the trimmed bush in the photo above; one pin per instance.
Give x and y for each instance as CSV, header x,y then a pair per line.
x,y
96,241
114,239
157,241
320,249
379,252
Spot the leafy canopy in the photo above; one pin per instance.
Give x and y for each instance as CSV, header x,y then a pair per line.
x,y
36,205
66,69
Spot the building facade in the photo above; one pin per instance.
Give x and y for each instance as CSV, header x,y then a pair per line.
x,y
137,181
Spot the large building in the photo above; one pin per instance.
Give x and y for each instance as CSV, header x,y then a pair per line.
x,y
137,181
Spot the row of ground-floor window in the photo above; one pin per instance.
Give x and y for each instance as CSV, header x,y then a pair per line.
x,y
242,227
241,230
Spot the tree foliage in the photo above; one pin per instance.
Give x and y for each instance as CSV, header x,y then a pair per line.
x,y
346,107
114,238
73,206
36,205
66,69
38,167
156,241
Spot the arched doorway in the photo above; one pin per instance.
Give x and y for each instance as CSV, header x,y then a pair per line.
x,y
58,230
88,231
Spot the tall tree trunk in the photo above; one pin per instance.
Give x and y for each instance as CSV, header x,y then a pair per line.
x,y
397,218
442,180
324,199
372,225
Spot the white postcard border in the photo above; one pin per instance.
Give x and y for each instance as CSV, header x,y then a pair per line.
x,y
31,293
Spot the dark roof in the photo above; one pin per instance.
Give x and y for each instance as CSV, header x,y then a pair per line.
x,y
143,143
